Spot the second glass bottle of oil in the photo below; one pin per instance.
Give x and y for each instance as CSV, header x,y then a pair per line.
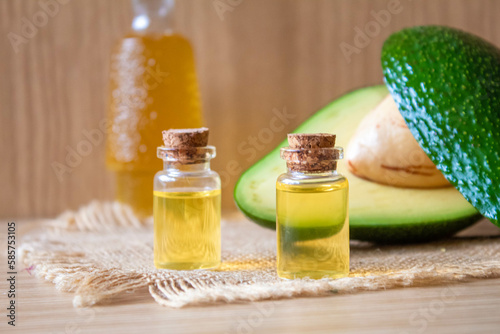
x,y
312,210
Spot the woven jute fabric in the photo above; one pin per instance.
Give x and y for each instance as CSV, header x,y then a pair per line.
x,y
102,251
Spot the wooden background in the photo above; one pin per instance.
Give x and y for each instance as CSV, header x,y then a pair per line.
x,y
260,55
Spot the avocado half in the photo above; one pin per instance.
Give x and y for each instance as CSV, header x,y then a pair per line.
x,y
446,83
377,212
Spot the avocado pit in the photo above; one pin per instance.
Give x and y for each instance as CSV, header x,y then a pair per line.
x,y
384,150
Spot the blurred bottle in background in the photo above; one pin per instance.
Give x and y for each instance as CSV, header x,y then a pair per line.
x,y
153,87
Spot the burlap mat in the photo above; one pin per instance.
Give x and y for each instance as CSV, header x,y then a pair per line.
x,y
103,251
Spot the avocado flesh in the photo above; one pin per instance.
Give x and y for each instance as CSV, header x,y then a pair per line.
x,y
446,83
376,212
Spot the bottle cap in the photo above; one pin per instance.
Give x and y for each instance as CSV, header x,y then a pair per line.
x,y
185,137
186,146
311,140
311,152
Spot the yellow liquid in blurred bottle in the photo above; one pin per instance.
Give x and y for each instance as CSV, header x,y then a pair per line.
x,y
187,229
153,87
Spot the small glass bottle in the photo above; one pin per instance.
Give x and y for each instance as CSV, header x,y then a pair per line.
x,y
187,203
312,210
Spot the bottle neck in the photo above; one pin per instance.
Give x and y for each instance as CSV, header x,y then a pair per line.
x,y
312,174
176,167
153,16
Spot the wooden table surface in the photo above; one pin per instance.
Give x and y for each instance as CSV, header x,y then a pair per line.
x,y
472,307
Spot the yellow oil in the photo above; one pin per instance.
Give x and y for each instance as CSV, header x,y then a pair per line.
x,y
153,87
313,230
187,229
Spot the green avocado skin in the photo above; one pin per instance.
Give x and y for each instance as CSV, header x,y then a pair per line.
x,y
414,233
446,83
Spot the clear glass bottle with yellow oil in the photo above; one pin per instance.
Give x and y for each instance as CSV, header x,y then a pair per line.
x,y
153,86
187,203
312,210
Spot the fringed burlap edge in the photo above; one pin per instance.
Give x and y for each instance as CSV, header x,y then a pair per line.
x,y
73,272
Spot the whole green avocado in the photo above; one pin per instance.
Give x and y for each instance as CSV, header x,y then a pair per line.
x,y
446,83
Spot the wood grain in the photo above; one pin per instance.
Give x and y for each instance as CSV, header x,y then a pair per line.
x,y
263,55
474,309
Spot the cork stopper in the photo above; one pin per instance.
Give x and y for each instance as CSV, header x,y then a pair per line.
x,y
311,152
185,146
311,140
185,137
